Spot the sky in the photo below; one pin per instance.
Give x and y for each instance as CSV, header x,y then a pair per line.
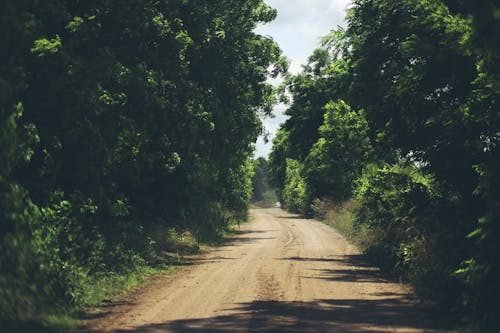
x,y
298,30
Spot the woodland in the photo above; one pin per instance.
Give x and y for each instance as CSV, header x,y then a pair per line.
x,y
120,122
394,125
128,125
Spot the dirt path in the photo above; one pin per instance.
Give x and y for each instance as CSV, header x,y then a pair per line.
x,y
280,273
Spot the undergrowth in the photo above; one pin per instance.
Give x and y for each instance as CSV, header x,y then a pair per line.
x,y
94,292
168,249
341,216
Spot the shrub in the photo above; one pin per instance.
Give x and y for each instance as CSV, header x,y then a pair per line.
x,y
412,216
296,196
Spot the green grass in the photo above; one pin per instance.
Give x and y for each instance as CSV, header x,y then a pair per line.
x,y
95,291
91,292
113,285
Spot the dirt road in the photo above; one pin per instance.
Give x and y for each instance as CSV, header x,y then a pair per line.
x,y
280,273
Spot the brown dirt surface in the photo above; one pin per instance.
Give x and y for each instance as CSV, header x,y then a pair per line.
x,y
279,273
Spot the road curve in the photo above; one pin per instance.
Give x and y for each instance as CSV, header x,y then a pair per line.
x,y
280,273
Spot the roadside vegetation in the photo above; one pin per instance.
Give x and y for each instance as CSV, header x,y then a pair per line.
x,y
127,131
393,137
125,127
263,194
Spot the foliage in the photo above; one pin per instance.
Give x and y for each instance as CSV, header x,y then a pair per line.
x,y
448,119
318,119
260,181
415,221
425,73
481,270
117,117
296,194
263,195
341,216
336,159
277,161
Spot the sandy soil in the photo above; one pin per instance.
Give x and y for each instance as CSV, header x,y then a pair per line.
x,y
280,273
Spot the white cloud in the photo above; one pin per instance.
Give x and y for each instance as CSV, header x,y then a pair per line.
x,y
298,30
301,24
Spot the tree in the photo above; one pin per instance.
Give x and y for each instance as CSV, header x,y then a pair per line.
x,y
425,74
134,114
338,157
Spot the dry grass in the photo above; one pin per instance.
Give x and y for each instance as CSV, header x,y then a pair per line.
x,y
341,216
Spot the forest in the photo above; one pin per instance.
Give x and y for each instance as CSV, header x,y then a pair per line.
x,y
393,130
127,124
119,119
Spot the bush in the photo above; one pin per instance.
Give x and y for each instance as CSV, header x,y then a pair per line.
x,y
296,196
412,217
340,215
336,159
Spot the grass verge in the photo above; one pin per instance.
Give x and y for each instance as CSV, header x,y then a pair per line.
x,y
171,245
340,216
94,291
